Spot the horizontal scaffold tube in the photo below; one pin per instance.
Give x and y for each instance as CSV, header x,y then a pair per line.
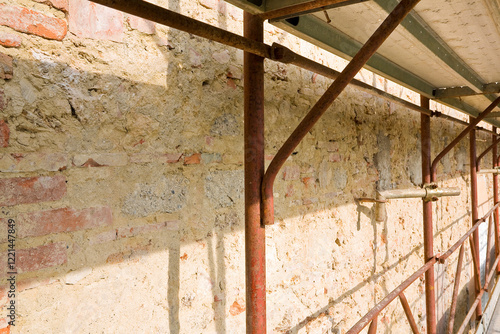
x,y
276,52
427,193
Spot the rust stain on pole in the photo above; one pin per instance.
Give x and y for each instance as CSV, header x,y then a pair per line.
x,y
255,246
430,293
359,60
474,212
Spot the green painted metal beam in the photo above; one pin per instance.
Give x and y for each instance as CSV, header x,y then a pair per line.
x,y
421,31
417,27
254,7
464,107
277,4
491,88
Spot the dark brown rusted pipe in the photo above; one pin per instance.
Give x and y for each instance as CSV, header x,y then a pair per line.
x,y
495,195
456,287
359,60
488,246
255,245
363,322
430,293
177,21
301,7
478,160
471,127
409,314
475,262
474,209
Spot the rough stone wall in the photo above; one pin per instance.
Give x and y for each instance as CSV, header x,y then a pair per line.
x,y
121,163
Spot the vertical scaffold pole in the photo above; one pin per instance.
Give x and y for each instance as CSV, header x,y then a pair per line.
x,y
430,293
474,207
255,246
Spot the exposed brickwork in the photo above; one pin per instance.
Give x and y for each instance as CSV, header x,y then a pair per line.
x,y
31,22
4,134
6,66
62,220
41,257
24,190
10,40
38,258
89,20
59,4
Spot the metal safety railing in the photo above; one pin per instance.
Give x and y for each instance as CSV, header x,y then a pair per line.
x,y
372,316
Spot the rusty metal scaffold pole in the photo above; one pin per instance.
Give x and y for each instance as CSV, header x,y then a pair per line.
x,y
277,52
475,213
359,60
430,293
255,243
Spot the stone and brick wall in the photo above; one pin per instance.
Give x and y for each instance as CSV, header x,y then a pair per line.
x,y
121,157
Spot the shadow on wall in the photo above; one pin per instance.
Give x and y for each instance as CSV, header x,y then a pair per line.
x,y
128,195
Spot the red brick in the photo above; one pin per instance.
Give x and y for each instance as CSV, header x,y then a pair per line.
x,y
238,307
192,159
10,40
4,134
28,21
41,257
25,190
90,20
37,258
6,67
59,4
62,220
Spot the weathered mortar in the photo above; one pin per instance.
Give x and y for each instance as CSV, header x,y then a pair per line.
x,y
146,122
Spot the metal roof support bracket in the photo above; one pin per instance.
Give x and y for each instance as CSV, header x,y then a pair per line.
x,y
359,60
466,131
